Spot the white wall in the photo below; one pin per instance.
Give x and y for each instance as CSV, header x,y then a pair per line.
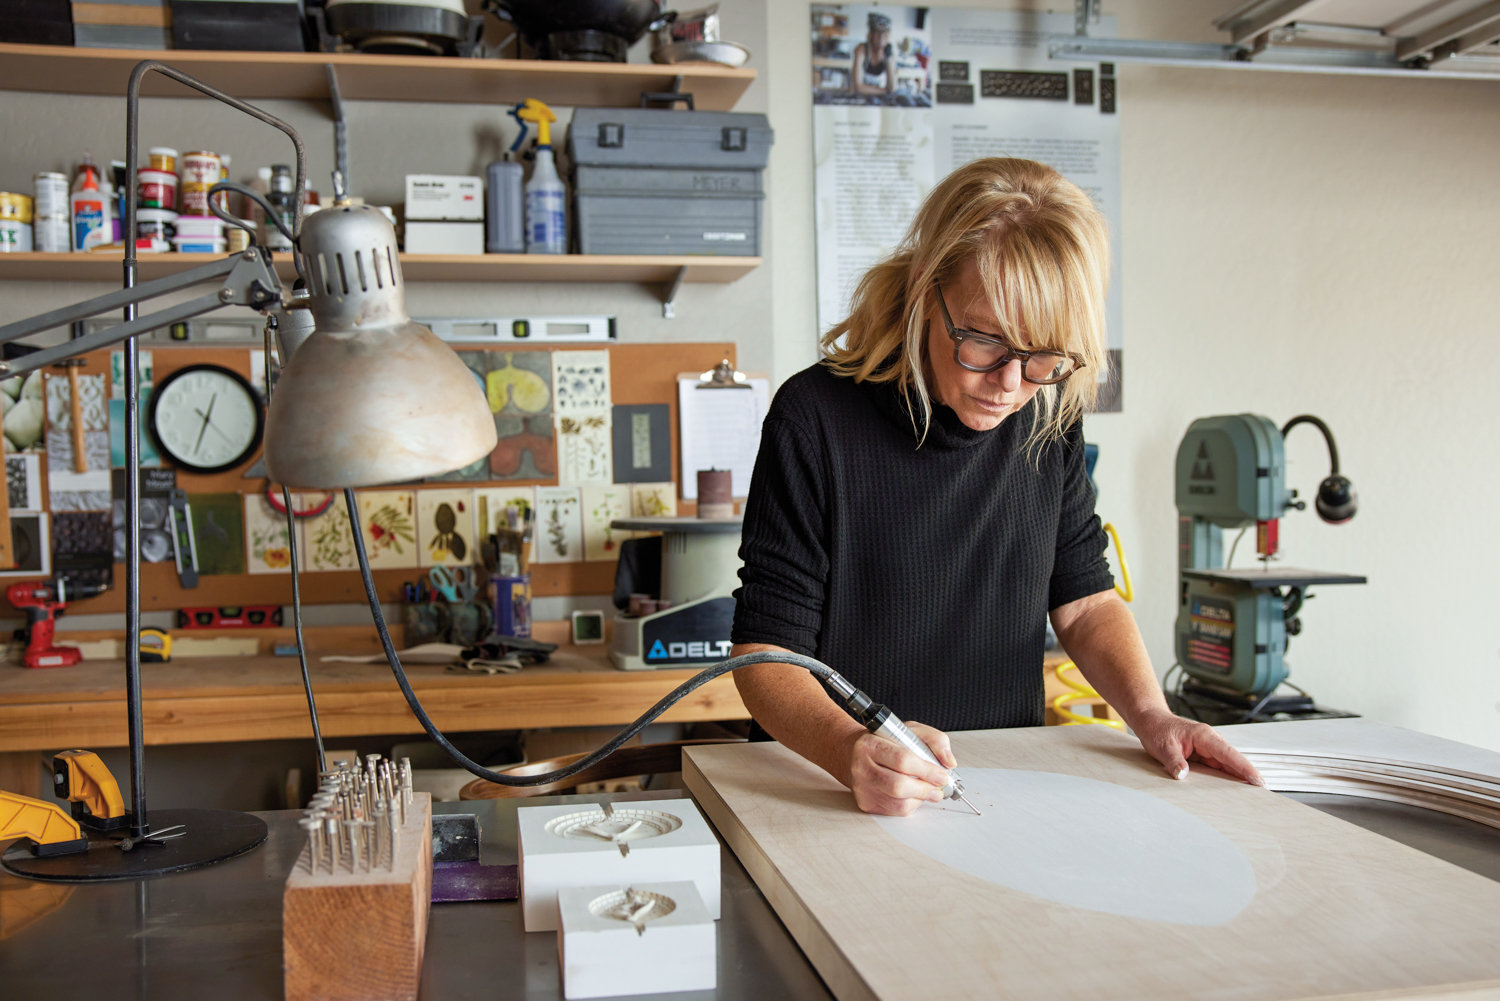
x,y
1292,243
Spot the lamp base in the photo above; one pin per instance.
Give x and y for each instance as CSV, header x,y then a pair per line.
x,y
212,836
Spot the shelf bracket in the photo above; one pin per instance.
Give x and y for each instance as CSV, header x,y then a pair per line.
x,y
669,296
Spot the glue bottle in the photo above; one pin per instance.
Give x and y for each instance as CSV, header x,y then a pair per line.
x,y
89,207
546,216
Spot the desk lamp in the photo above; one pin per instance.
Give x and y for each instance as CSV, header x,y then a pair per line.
x,y
372,398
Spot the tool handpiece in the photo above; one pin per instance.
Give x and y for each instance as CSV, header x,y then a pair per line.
x,y
883,723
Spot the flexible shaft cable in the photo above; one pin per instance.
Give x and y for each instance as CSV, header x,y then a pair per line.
x,y
818,669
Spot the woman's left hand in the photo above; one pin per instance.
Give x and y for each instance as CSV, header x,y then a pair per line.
x,y
1175,741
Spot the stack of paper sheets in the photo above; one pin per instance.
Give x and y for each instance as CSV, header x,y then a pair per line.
x,y
1359,757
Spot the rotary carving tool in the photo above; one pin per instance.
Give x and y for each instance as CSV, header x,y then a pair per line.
x,y
883,723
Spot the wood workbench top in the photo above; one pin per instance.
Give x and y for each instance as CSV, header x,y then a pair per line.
x,y
221,699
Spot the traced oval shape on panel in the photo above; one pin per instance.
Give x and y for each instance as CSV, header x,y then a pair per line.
x,y
1085,843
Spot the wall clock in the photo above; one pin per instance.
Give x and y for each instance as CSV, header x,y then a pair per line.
x,y
206,419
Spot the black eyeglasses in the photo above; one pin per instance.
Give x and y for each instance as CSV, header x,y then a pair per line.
x,y
987,352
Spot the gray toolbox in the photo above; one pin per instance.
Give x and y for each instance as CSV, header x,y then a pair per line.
x,y
648,181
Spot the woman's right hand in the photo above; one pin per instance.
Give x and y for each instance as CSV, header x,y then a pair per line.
x,y
889,780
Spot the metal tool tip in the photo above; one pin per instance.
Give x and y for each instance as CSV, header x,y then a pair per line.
x,y
970,805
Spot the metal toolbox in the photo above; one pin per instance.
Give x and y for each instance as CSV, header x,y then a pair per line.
x,y
668,182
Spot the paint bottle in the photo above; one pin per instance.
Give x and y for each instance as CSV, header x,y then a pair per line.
x,y
89,207
15,223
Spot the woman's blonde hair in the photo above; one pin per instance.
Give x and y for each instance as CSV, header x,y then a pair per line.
x,y
1042,249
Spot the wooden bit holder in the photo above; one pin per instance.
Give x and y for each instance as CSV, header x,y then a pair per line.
x,y
359,935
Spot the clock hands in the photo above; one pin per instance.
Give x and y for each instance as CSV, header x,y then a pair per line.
x,y
204,429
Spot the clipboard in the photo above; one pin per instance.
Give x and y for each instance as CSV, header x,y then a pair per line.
x,y
719,414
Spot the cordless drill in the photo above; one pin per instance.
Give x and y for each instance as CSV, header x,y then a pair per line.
x,y
43,601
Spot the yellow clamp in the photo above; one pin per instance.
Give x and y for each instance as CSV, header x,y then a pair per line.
x,y
80,777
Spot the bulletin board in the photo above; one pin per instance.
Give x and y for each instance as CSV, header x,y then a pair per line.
x,y
639,374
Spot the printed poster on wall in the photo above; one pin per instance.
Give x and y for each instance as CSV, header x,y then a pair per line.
x,y
904,95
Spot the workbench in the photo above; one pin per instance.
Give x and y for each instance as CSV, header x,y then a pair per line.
x,y
226,699
216,932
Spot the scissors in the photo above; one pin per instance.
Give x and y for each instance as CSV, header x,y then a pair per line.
x,y
456,584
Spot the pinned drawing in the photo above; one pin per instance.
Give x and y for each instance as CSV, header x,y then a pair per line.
x,y
23,481
580,380
525,450
69,490
30,546
144,374
601,506
219,532
25,412
559,526
268,546
583,449
653,500
91,396
445,528
327,541
388,519
518,382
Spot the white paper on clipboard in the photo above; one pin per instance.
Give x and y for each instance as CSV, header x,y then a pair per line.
x,y
720,429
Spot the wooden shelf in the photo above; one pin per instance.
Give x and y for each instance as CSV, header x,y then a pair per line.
x,y
415,267
300,76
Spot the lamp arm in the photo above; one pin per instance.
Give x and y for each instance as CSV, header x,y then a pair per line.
x,y
132,148
250,282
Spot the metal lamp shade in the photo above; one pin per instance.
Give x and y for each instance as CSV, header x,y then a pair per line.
x,y
370,397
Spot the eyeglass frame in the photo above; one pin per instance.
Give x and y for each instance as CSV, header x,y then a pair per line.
x,y
1012,353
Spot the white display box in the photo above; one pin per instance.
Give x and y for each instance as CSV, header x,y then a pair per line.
x,y
672,843
444,237
439,196
602,956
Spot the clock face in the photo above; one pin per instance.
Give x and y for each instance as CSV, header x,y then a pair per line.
x,y
206,419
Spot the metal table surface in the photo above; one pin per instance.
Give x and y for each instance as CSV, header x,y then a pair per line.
x,y
216,932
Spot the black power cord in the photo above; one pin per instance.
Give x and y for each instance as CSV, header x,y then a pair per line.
x,y
857,702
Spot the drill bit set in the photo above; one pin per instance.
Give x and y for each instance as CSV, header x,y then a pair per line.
x,y
354,912
355,820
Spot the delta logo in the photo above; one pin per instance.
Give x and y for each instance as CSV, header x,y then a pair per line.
x,y
692,651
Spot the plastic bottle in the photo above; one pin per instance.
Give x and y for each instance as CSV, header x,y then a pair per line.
x,y
89,207
505,222
283,200
546,198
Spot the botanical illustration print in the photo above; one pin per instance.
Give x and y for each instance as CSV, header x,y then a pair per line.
x,y
327,540
445,528
143,370
601,506
267,544
653,500
559,529
388,519
584,449
581,381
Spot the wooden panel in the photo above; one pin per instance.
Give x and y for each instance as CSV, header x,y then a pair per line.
x,y
121,13
1337,911
641,373
300,76
649,269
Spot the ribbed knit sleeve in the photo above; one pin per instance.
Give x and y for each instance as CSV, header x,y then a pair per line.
x,y
1079,568
786,562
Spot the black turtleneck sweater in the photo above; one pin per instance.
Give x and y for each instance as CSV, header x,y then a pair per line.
x,y
924,575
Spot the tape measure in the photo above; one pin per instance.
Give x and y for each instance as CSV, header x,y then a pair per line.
x,y
156,646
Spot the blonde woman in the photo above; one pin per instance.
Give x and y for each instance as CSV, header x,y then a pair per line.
x,y
920,506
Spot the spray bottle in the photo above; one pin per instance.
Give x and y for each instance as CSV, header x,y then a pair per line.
x,y
546,218
505,198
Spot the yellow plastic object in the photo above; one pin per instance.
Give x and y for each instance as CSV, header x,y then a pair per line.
x,y
535,111
44,823
1080,693
86,780
1127,592
156,646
